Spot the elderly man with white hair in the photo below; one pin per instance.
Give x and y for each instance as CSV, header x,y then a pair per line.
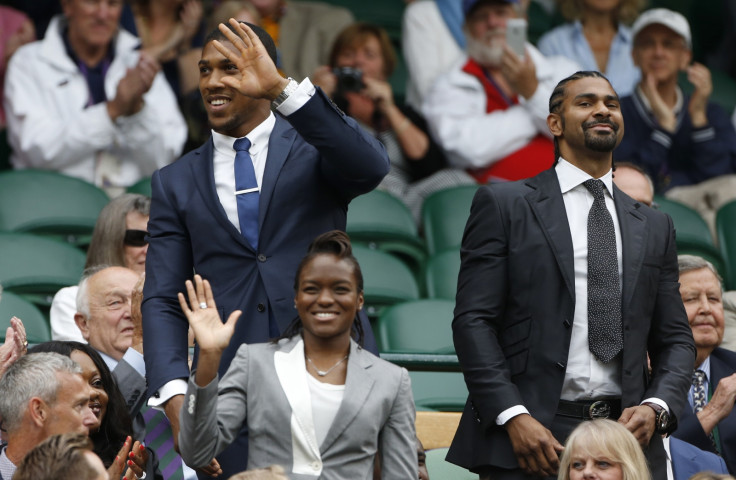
x,y
709,421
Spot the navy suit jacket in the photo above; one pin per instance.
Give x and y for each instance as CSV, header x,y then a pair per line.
x,y
722,364
515,305
318,160
687,460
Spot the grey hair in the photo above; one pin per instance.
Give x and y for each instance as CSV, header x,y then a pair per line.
x,y
32,375
83,292
689,263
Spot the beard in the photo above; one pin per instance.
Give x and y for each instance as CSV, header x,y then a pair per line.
x,y
487,51
599,142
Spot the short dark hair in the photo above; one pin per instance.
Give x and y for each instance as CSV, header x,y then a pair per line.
x,y
265,38
558,96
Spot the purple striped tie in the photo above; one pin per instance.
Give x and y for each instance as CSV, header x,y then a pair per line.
x,y
160,438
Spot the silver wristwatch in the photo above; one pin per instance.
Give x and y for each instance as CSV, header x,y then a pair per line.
x,y
290,88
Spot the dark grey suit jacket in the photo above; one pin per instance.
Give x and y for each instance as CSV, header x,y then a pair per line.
x,y
515,305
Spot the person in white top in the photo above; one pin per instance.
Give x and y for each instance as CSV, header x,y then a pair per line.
x,y
84,101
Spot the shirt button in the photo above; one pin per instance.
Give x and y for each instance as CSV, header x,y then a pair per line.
x,y
261,307
261,257
316,466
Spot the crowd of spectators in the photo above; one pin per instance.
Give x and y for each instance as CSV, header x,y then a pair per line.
x,y
115,92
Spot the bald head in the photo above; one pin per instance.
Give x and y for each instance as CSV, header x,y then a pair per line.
x,y
103,305
634,183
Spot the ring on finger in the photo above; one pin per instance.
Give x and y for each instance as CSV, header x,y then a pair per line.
x,y
203,305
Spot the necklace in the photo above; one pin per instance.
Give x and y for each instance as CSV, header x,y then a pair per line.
x,y
323,373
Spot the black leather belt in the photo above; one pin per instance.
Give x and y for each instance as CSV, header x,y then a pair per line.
x,y
610,408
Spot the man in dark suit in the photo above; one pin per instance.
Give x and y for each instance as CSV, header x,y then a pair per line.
x,y
543,342
309,160
709,420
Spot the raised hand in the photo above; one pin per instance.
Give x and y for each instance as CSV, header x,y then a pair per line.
x,y
211,334
15,344
116,469
665,115
137,459
519,72
258,77
700,77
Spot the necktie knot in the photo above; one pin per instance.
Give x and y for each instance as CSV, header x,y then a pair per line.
x,y
698,378
596,187
242,144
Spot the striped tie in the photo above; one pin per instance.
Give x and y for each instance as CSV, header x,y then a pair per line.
x,y
160,439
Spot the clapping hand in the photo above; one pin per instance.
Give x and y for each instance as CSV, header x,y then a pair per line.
x,y
258,77
15,344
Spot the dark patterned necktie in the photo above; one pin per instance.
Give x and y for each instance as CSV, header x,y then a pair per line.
x,y
700,399
605,335
246,192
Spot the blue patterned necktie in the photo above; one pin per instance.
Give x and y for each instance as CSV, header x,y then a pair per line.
x,y
246,192
700,399
605,333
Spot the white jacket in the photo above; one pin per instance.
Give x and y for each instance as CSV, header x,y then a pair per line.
x,y
455,109
49,126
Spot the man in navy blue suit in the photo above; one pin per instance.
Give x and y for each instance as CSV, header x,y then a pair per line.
x,y
309,160
709,421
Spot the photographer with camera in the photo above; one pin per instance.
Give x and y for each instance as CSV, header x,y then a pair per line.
x,y
361,61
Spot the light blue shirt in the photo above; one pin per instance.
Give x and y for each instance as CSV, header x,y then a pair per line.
x,y
568,40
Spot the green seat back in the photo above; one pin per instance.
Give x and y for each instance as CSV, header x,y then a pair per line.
x,y
36,325
421,326
387,280
381,221
50,204
37,267
692,234
440,469
441,273
141,187
440,391
726,229
444,215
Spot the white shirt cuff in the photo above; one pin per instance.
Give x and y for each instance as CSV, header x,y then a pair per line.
x,y
510,413
659,402
170,389
296,100
135,360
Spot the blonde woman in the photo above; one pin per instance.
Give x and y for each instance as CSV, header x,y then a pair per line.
x,y
602,450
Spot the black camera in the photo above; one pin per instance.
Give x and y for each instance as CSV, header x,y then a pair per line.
x,y
349,79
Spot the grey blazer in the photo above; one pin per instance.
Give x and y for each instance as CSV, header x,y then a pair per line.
x,y
266,386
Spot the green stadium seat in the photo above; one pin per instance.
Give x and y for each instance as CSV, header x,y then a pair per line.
x,y
421,326
37,267
441,391
141,187
440,469
444,215
440,274
726,230
36,325
381,221
50,204
692,234
387,280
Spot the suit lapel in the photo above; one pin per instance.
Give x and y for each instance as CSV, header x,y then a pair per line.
x,y
633,238
279,146
548,207
358,385
204,173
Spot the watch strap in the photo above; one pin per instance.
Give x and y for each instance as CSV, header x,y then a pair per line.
x,y
288,90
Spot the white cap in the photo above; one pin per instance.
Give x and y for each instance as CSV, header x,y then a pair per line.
x,y
663,16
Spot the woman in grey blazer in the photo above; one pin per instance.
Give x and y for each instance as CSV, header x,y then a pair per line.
x,y
314,401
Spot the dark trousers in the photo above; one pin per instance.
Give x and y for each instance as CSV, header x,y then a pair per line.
x,y
561,429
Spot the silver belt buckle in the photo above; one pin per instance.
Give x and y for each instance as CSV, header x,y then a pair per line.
x,y
599,409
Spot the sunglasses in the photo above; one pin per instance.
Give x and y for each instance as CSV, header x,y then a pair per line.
x,y
135,238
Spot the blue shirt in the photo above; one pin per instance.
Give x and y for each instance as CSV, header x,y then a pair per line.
x,y
568,40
